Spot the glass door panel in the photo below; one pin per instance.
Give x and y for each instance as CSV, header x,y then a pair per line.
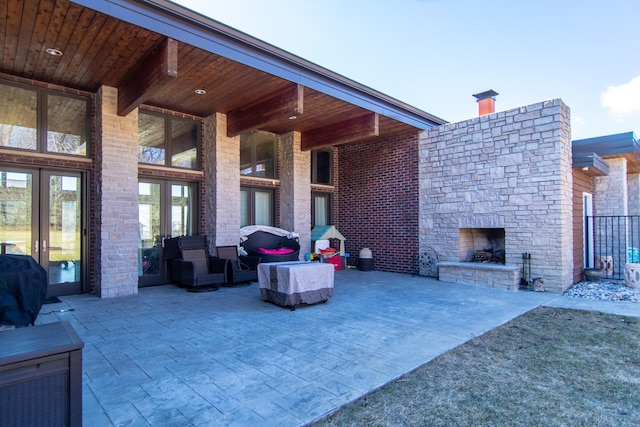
x,y
149,219
41,216
181,209
16,212
165,209
62,238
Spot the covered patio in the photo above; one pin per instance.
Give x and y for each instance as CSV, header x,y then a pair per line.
x,y
169,357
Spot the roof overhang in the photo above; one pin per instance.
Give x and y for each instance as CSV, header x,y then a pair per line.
x,y
164,57
621,145
590,164
179,23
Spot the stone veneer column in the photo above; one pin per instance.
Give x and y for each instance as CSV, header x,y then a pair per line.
x,y
222,182
295,189
611,190
611,198
633,189
117,171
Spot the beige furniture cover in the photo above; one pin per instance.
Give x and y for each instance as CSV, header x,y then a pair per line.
x,y
289,284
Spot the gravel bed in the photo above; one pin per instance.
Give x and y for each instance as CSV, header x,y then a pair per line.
x,y
604,290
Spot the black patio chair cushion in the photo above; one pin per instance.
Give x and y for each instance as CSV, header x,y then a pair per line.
x,y
191,266
239,268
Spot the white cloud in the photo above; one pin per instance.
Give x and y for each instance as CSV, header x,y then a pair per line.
x,y
624,100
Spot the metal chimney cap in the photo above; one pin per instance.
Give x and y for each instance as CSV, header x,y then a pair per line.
x,y
487,94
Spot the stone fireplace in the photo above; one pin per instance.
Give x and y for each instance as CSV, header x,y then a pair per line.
x,y
495,187
482,245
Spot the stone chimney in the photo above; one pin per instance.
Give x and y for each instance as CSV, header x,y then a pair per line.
x,y
486,102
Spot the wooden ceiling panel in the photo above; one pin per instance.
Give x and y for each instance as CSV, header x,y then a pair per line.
x,y
31,56
126,47
101,50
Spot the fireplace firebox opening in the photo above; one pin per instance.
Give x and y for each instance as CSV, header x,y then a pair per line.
x,y
482,245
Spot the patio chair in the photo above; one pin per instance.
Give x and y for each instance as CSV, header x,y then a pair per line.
x,y
239,268
191,266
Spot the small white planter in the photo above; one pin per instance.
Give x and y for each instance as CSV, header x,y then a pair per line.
x,y
632,275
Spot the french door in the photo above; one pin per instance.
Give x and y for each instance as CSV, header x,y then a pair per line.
x,y
41,214
165,209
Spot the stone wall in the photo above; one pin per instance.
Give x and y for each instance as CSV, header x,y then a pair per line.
x,y
611,235
508,170
222,183
117,171
611,190
633,190
295,189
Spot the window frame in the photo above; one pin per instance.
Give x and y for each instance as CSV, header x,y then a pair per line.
x,y
168,140
329,201
254,140
42,119
251,207
314,166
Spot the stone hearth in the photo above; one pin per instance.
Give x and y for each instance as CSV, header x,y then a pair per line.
x,y
484,274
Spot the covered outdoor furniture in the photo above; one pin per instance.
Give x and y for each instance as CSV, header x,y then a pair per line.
x,y
239,268
289,284
23,288
190,265
271,244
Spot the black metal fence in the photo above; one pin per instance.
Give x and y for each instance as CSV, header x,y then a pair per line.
x,y
611,242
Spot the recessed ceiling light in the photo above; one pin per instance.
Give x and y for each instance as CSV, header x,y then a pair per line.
x,y
293,117
200,91
54,52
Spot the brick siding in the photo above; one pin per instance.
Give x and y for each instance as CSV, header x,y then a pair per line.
x,y
377,201
582,183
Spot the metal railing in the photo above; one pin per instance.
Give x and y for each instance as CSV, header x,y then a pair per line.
x,y
611,242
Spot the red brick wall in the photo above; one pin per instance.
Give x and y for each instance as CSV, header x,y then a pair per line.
x,y
378,202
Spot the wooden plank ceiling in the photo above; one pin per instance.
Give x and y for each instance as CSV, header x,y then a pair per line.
x,y
148,68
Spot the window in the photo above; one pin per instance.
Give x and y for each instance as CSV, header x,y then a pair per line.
x,y
39,120
321,165
66,125
256,206
258,155
320,209
159,135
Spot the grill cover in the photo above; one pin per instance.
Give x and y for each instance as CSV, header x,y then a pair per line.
x,y
23,288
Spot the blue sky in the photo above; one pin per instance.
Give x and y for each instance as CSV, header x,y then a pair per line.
x,y
434,54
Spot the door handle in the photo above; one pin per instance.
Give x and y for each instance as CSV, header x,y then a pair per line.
x,y
44,246
35,246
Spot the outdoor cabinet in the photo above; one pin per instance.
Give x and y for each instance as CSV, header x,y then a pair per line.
x,y
41,376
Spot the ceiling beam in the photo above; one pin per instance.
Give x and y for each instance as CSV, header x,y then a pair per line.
x,y
350,130
158,67
277,107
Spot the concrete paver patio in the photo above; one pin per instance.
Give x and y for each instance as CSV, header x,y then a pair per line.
x,y
169,357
